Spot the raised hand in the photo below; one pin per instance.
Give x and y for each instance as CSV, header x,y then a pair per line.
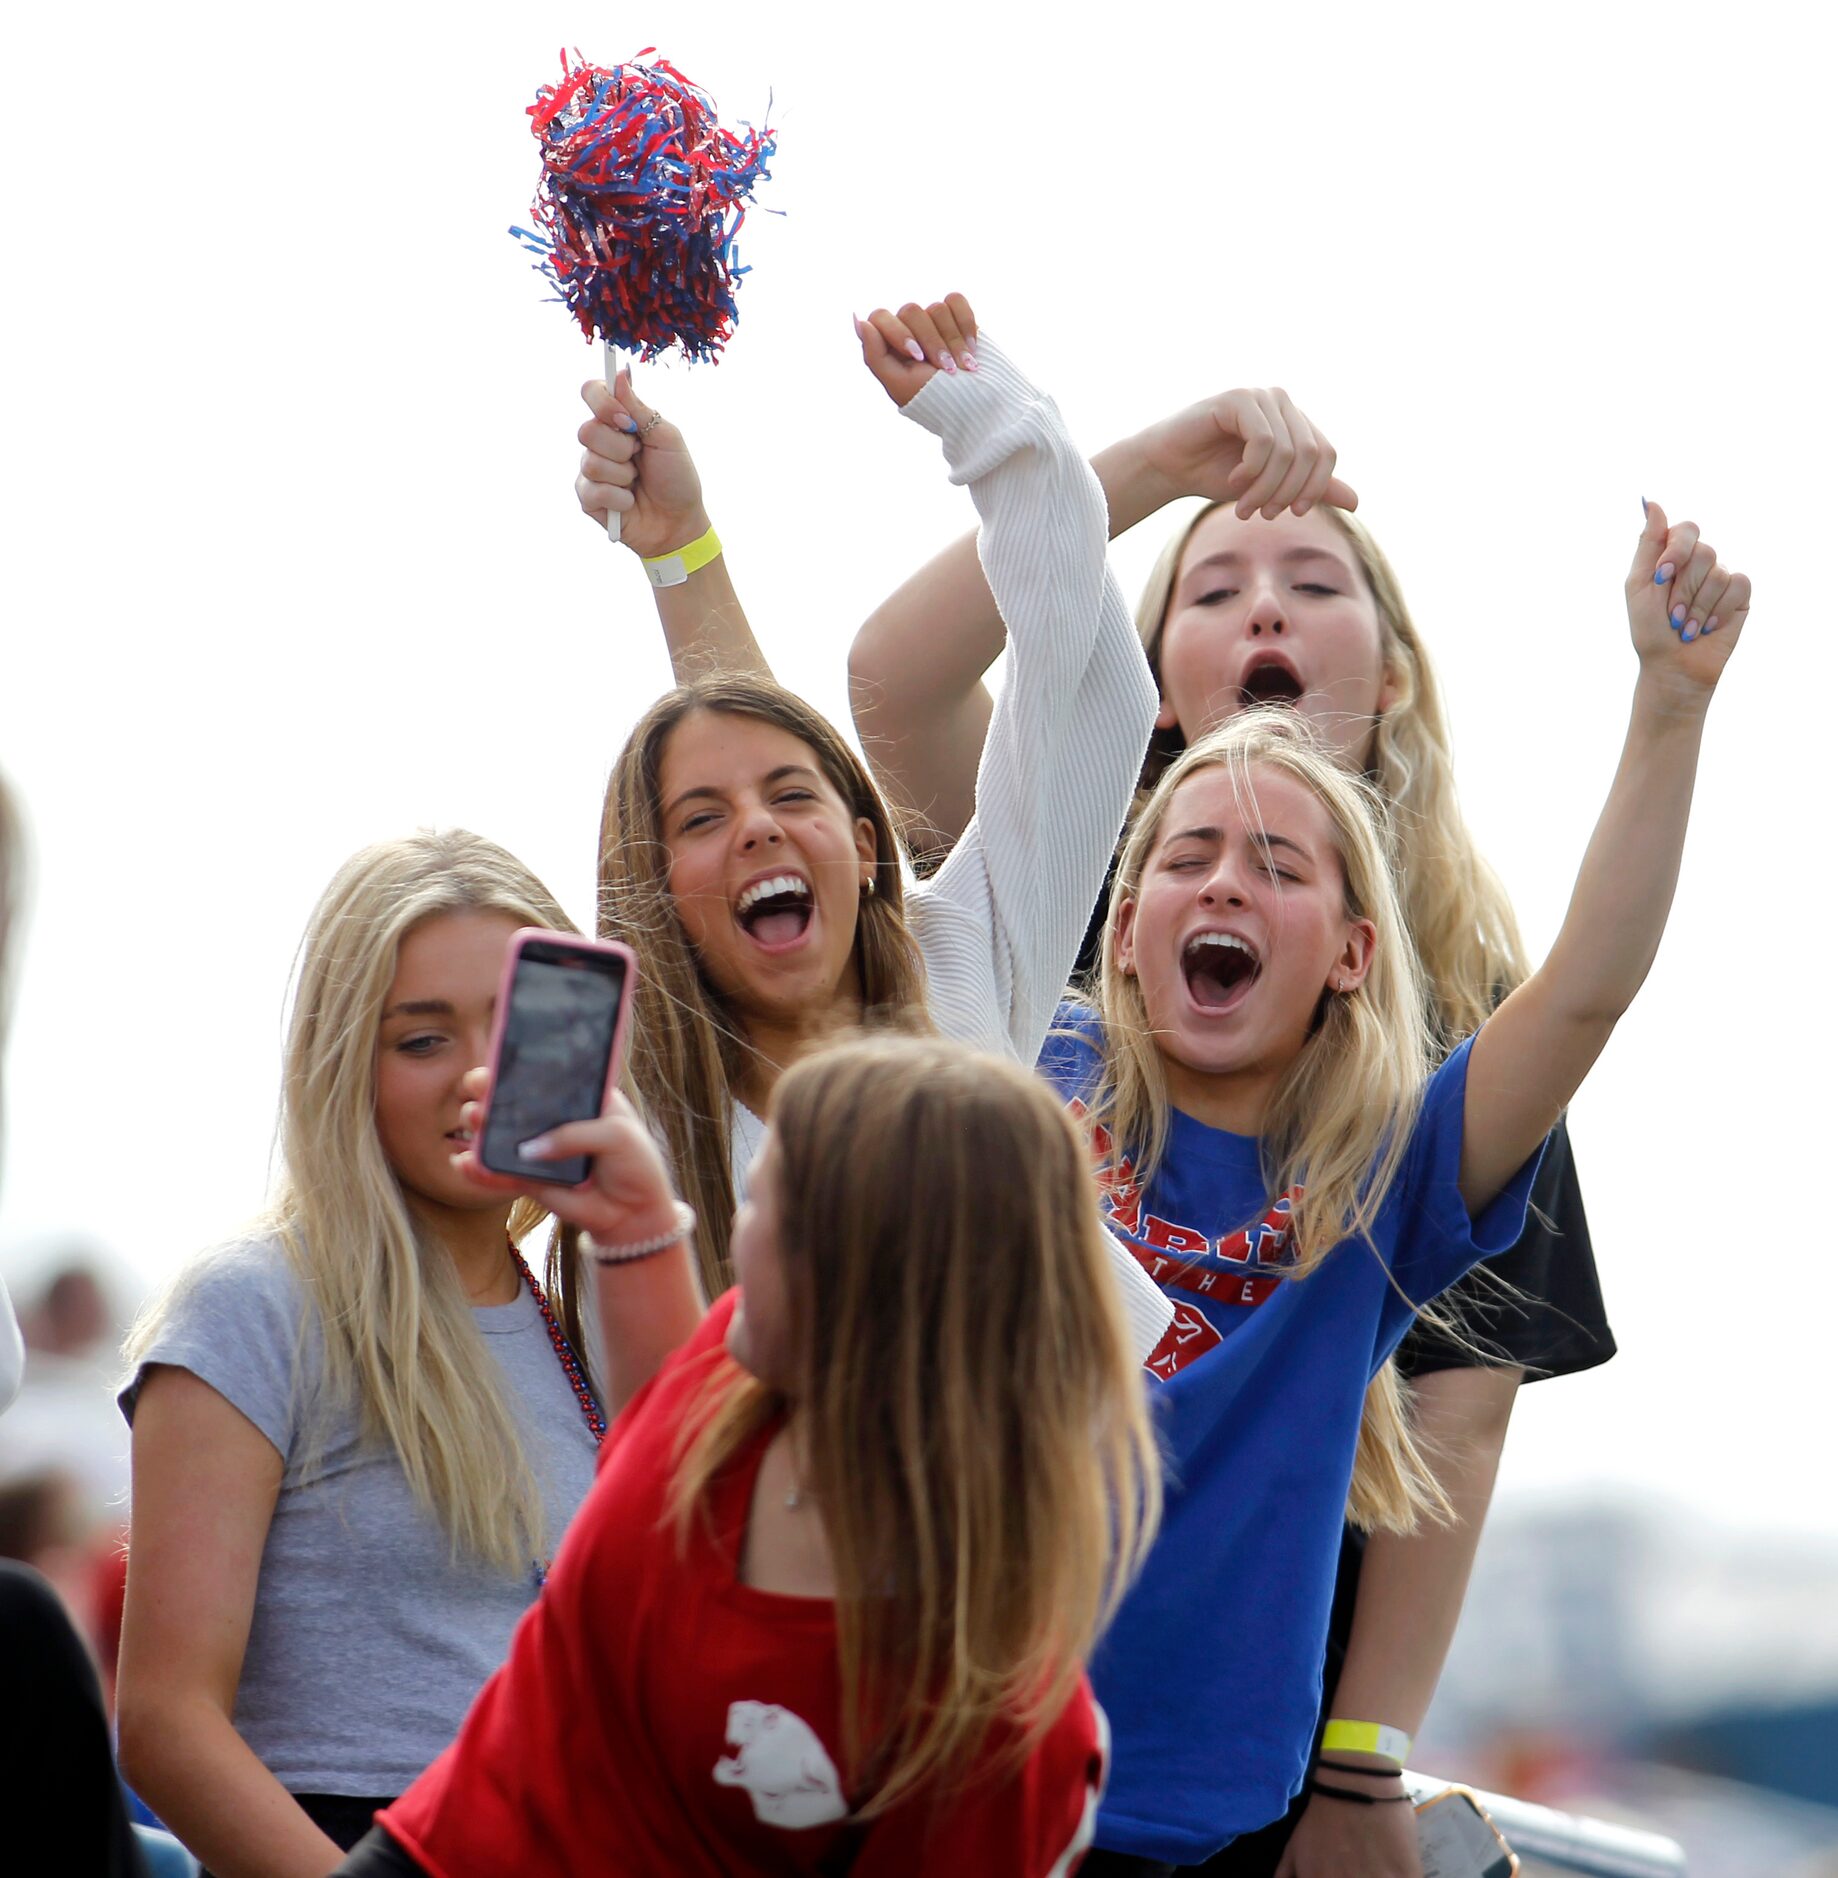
x,y
905,349
636,463
627,1196
1686,610
1254,449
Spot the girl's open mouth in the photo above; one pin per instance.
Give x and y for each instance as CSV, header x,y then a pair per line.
x,y
775,913
1220,968
1271,680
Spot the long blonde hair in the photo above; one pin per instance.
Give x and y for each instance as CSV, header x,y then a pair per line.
x,y
978,1437
400,1343
688,1049
1456,910
1339,1120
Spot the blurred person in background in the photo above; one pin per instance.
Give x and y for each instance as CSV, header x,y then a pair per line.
x,y
61,1803
64,1426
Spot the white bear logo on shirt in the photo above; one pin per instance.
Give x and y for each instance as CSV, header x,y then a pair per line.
x,y
787,1774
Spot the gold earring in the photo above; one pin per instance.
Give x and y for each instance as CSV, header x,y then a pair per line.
x,y
868,887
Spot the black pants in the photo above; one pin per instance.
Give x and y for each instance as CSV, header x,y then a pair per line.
x,y
54,1741
377,1855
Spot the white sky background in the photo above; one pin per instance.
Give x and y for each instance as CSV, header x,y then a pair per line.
x,y
294,560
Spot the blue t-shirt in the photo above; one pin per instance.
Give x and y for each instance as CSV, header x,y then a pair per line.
x,y
1211,1673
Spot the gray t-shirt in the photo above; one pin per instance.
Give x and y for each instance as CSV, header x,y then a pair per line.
x,y
368,1641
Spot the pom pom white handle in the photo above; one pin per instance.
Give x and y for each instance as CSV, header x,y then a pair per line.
x,y
612,375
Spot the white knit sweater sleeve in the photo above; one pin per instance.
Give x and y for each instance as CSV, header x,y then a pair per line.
x,y
1000,923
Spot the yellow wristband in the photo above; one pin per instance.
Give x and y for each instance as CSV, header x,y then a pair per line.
x,y
671,570
1359,1737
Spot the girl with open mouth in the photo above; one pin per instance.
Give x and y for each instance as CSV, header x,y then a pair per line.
x,y
746,855
1277,1142
1273,593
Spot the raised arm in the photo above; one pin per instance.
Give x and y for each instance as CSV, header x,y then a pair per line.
x,y
636,464
1000,924
649,1304
1687,613
917,664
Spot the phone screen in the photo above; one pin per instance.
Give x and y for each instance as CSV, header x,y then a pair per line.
x,y
1455,1839
553,1054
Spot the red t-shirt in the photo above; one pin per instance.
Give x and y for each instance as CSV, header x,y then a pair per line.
x,y
658,1718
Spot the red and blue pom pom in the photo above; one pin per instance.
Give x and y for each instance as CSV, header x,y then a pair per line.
x,y
641,198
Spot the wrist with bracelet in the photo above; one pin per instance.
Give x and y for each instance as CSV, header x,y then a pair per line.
x,y
629,1252
672,569
1388,1747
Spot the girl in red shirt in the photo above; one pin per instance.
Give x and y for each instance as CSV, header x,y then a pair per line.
x,y
826,1605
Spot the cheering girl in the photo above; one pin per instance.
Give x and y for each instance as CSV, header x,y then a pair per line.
x,y
1255,1077
1247,604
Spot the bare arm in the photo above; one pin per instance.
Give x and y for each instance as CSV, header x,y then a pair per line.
x,y
637,465
205,1484
1411,1587
649,1306
1533,1053
917,664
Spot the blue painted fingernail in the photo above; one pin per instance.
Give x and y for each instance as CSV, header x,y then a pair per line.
x,y
1643,505
625,423
1675,624
1711,624
1678,615
1688,632
1665,573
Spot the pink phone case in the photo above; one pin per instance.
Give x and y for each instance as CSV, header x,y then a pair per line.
x,y
570,942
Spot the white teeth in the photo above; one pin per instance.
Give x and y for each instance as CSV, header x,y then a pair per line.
x,y
779,883
1221,939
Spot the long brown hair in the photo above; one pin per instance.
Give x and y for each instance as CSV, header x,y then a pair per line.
x,y
1340,1119
1459,916
978,1434
689,1048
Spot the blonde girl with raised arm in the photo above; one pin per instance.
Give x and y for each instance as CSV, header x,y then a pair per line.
x,y
748,859
1250,604
1280,1146
359,1431
825,1607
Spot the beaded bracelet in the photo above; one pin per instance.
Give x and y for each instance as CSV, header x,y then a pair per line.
x,y
603,1254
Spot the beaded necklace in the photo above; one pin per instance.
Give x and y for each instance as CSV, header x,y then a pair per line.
x,y
577,1380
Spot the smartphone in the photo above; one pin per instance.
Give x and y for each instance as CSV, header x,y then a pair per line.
x,y
555,1048
1456,1839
